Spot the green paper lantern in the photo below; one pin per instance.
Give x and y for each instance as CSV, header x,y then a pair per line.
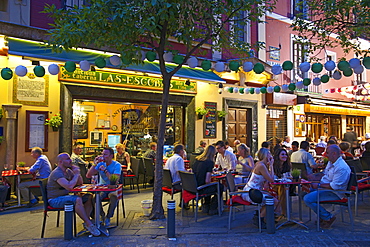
x,y
100,62
206,65
126,61
306,81
343,65
277,89
287,65
263,90
316,67
258,68
234,66
70,66
6,73
151,56
366,62
39,71
292,86
348,72
241,90
324,78
251,90
230,89
178,59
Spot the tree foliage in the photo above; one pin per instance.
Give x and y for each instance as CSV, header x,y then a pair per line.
x,y
128,26
347,20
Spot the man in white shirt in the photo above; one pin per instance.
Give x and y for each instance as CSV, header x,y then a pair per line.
x,y
176,163
322,143
225,159
337,174
303,156
286,143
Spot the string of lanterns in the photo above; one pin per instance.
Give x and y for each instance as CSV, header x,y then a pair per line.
x,y
357,92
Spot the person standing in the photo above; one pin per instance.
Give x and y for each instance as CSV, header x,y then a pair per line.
x,y
351,137
225,159
39,170
337,175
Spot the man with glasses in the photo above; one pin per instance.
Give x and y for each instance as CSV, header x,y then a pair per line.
x,y
78,161
225,160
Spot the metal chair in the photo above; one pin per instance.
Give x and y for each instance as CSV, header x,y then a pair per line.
x,y
107,200
135,163
168,186
365,163
149,169
302,167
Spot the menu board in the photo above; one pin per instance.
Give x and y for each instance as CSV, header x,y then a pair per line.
x,y
210,121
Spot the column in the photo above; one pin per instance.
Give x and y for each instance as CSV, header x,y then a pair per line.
x,y
11,134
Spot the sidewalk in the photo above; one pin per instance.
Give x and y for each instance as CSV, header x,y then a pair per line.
x,y
22,227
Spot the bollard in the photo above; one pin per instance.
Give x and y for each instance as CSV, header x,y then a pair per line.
x,y
68,220
171,227
270,219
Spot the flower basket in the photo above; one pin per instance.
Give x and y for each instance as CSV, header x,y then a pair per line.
x,y
201,111
55,128
54,122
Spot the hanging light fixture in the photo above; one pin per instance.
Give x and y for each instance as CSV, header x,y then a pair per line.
x,y
79,116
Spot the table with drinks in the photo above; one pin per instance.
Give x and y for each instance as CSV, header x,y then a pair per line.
x,y
18,173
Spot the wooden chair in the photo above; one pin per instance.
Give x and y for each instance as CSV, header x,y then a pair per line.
x,y
168,186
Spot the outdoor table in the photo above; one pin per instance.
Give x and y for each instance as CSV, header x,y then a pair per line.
x,y
96,189
287,184
11,173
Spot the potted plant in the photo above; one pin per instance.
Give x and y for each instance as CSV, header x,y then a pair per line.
x,y
295,174
55,121
113,181
201,111
221,115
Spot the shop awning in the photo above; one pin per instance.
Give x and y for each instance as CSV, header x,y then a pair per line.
x,y
32,49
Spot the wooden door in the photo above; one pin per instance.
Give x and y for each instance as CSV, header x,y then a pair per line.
x,y
237,126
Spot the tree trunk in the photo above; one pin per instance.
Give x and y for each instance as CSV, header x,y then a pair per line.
x,y
157,210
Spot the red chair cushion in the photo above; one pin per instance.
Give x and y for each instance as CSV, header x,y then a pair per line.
x,y
343,200
169,190
36,186
238,200
129,175
51,208
361,186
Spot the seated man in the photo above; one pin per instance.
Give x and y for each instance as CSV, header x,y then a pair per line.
x,y
176,164
303,156
151,152
225,159
40,169
337,174
106,167
200,149
3,193
78,161
64,178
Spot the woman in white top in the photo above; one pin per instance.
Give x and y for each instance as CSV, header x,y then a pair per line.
x,y
245,163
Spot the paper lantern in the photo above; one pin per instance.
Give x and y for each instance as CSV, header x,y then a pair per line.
x,y
337,75
324,78
151,56
251,90
305,66
20,70
343,65
366,62
234,65
206,65
258,68
316,81
276,69
127,60
236,90
299,85
263,90
100,62
70,66
364,91
316,67
287,65
270,89
115,60
85,65
53,69
277,89
230,90
367,85
306,81
178,59
6,73
192,62
168,57
241,90
330,65
219,66
354,62
246,90
257,90
348,72
39,71
284,88
358,70
247,66
291,86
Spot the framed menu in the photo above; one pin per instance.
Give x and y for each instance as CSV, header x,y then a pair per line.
x,y
210,120
36,130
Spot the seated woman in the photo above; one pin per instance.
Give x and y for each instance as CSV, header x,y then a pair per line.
x,y
262,172
123,157
245,163
281,165
345,146
202,169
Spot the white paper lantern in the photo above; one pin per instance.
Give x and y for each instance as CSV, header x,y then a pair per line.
x,y
220,90
246,90
299,85
85,65
337,75
276,69
53,69
305,66
235,90
168,57
192,62
220,66
330,65
247,66
115,60
316,81
270,89
257,90
21,70
364,91
354,63
284,88
358,70
367,85
226,89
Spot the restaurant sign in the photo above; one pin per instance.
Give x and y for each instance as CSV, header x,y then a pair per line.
x,y
335,110
124,80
